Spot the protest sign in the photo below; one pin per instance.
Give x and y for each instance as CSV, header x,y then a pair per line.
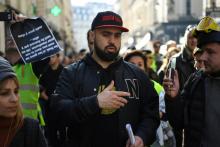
x,y
34,39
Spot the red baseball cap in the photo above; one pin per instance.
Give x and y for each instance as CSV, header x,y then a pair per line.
x,y
108,19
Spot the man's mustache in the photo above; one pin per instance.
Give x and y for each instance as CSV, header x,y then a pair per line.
x,y
110,46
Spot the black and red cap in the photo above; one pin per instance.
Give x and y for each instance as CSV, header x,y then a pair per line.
x,y
108,19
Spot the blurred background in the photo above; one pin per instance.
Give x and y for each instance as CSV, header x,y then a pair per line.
x,y
147,20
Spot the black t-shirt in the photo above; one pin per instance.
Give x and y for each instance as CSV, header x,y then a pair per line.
x,y
106,126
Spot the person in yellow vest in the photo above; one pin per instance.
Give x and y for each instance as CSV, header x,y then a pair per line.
x,y
138,58
157,56
28,76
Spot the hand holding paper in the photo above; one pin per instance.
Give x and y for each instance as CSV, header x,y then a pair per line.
x,y
130,133
133,141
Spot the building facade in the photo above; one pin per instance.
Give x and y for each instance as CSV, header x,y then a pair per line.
x,y
158,19
83,16
61,24
212,8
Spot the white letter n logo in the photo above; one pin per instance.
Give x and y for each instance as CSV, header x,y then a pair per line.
x,y
133,88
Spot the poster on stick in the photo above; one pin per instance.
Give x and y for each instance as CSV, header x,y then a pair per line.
x,y
34,39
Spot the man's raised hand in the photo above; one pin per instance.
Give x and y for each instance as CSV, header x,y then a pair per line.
x,y
111,99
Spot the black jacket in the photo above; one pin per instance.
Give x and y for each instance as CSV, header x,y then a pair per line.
x,y
192,100
174,109
195,100
75,101
30,135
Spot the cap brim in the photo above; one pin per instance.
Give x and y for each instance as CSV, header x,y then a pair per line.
x,y
123,29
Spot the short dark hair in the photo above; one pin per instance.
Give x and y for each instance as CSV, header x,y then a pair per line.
x,y
133,53
156,43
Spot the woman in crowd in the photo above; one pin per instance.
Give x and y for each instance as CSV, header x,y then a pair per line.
x,y
164,133
16,131
138,58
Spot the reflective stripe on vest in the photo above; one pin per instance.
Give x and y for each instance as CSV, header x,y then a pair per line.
x,y
34,88
29,106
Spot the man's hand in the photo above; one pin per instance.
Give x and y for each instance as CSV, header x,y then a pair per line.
x,y
110,99
138,142
171,86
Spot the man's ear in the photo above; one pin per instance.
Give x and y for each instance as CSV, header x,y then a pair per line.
x,y
92,33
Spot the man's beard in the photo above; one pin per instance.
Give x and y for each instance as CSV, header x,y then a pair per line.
x,y
104,54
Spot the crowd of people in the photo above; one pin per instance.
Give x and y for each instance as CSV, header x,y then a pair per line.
x,y
87,99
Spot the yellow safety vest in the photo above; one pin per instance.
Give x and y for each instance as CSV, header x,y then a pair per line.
x,y
158,87
29,91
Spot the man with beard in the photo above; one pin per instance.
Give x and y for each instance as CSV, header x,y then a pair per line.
x,y
97,96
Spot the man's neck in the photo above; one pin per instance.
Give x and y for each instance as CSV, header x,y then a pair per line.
x,y
104,64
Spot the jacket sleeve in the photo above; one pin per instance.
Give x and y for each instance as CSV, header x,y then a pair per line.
x,y
66,106
149,112
175,107
175,111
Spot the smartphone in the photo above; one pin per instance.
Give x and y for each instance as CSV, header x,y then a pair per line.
x,y
171,73
171,69
130,133
6,16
